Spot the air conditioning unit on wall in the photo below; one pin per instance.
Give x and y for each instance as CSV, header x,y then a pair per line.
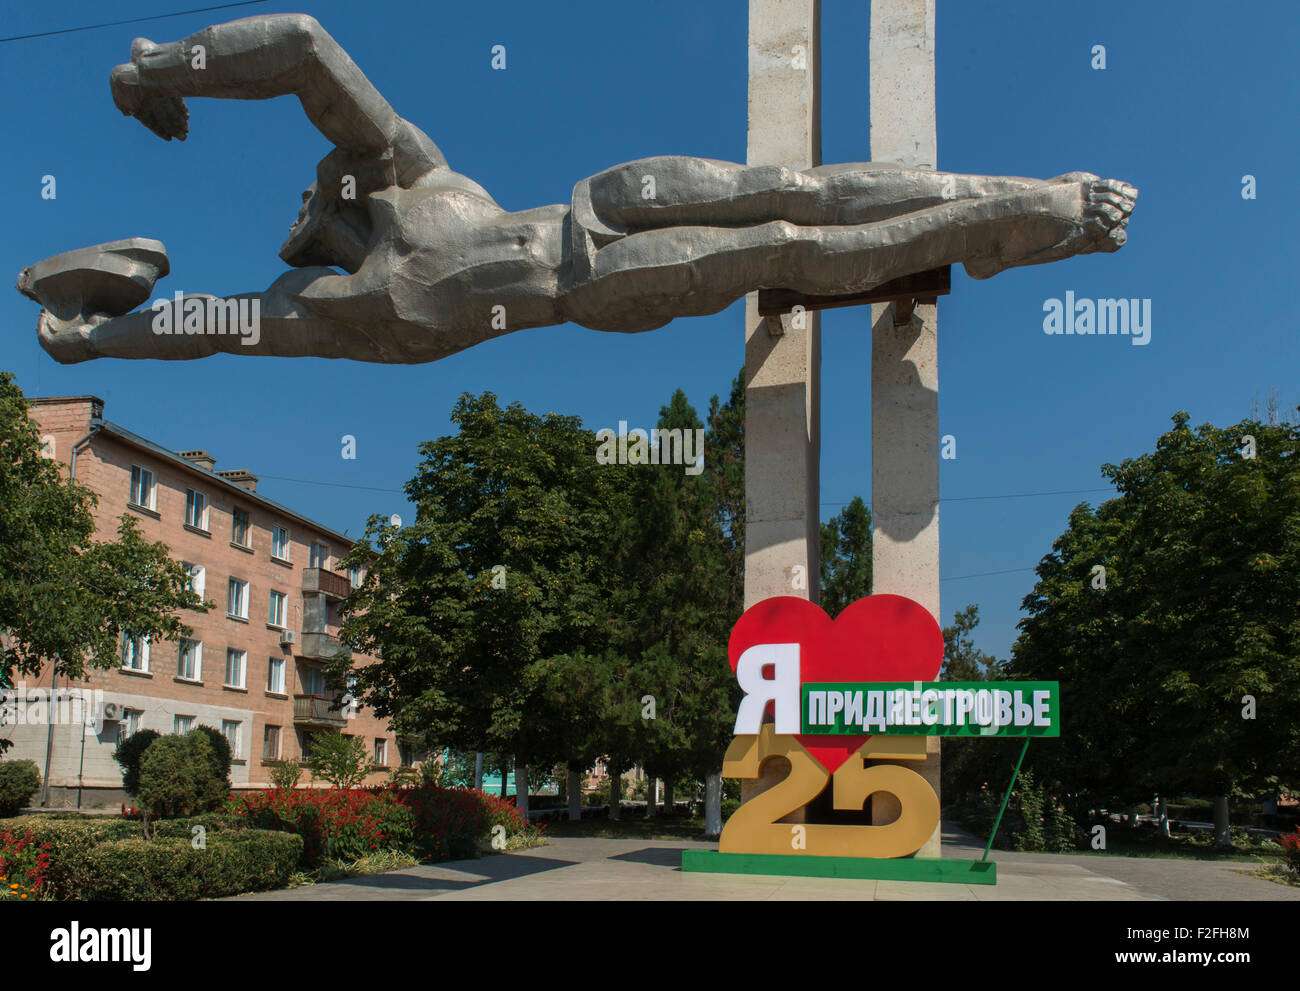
x,y
288,638
112,712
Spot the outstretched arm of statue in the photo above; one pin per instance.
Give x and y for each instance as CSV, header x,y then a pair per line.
x,y
258,58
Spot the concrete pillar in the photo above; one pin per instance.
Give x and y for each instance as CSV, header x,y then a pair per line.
x,y
904,358
782,355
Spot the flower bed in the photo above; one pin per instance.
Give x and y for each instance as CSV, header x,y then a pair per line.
x,y
23,862
428,822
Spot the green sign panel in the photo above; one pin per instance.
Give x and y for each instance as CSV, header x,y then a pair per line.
x,y
938,708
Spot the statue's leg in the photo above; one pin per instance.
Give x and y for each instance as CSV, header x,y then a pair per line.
x,y
672,191
292,318
642,281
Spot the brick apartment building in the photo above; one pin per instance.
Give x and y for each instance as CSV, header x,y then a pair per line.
x,y
252,668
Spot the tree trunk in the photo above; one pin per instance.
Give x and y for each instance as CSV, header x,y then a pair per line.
x,y
669,803
1222,837
713,804
478,770
1132,817
574,788
521,786
615,792
651,786
1162,816
505,776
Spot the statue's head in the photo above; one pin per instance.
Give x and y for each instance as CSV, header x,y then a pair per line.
x,y
323,235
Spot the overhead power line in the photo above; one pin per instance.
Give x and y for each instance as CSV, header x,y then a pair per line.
x,y
130,20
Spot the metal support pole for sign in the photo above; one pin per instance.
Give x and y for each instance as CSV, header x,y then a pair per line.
x,y
1006,798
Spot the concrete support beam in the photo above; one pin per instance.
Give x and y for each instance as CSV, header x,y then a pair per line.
x,y
782,353
904,358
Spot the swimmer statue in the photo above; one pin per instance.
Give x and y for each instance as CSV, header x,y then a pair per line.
x,y
434,265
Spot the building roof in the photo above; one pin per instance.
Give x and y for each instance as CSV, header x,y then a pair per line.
x,y
215,479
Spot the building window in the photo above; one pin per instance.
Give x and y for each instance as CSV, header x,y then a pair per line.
x,y
230,730
130,724
237,598
196,509
239,529
197,577
182,724
142,488
135,654
354,577
190,663
313,681
381,751
279,602
270,743
275,676
236,662
319,556
280,543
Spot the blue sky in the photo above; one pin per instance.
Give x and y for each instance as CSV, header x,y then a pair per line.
x,y
1194,96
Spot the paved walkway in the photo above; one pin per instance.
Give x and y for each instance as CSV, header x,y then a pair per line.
x,y
586,869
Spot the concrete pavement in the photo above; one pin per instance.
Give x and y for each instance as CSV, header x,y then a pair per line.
x,y
591,869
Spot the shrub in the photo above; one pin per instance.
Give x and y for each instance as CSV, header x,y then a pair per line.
x,y
220,752
20,780
178,777
69,842
128,755
285,774
1291,850
340,760
172,870
23,863
334,825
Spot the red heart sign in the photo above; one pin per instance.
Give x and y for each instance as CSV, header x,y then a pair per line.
x,y
879,638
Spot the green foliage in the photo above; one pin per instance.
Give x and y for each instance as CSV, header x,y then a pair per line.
x,y
173,870
405,776
63,594
846,557
20,780
128,755
285,774
341,760
221,756
178,776
1201,608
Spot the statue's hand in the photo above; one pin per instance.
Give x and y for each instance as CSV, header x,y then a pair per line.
x,y
167,116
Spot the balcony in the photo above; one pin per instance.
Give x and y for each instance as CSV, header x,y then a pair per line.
x,y
327,583
315,711
320,646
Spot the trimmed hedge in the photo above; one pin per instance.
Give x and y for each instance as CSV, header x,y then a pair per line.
x,y
20,780
77,870
172,870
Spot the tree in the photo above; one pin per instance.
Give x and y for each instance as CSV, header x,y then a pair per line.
x,y
1178,660
846,557
972,762
65,596
669,619
341,760
178,776
962,660
480,606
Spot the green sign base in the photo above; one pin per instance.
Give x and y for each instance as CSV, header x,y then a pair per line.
x,y
794,865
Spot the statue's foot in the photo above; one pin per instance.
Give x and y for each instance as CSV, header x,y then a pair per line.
x,y
1073,214
67,341
1104,208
